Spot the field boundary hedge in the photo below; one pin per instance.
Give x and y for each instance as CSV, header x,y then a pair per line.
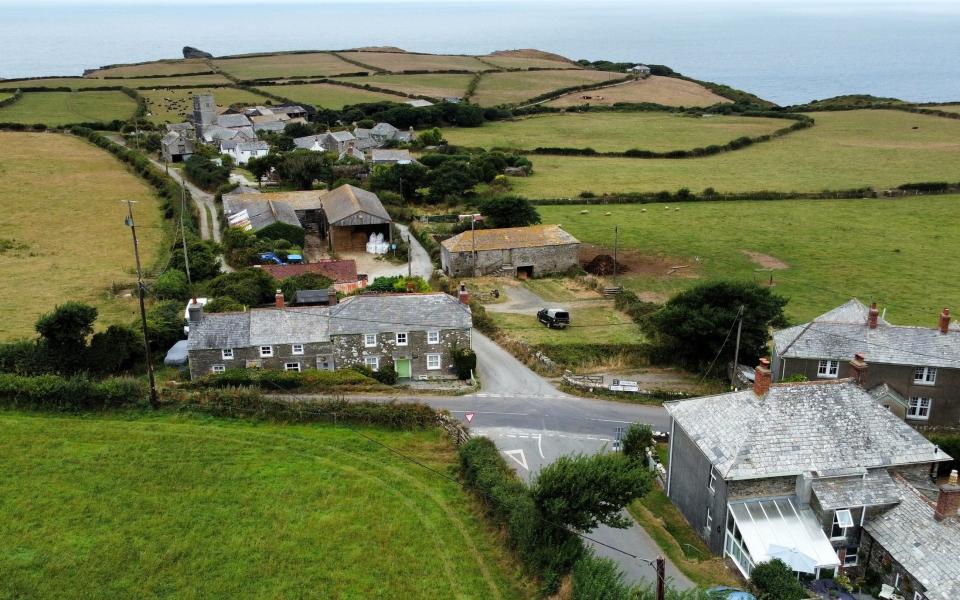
x,y
17,94
554,94
350,84
69,394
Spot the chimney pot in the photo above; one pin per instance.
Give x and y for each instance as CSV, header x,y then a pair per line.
x,y
874,313
858,369
279,299
945,321
463,294
762,377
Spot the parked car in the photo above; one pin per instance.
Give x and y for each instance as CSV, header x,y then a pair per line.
x,y
270,257
554,318
294,259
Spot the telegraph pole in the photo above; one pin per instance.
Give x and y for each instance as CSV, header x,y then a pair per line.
x,y
473,235
661,576
183,236
409,257
616,242
154,402
736,348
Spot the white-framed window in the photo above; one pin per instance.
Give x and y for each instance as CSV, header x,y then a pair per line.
x,y
296,349
842,520
828,368
217,369
709,519
433,362
372,362
401,338
291,367
925,375
919,408
266,351
227,354
850,556
711,482
433,337
369,340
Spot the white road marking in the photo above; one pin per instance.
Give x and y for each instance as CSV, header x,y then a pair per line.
x,y
540,446
610,421
522,461
481,412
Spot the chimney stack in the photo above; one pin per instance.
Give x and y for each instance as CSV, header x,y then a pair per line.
x,y
948,502
279,299
858,369
874,313
945,321
194,312
463,294
762,377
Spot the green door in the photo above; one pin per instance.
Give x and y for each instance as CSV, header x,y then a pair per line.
x,y
403,368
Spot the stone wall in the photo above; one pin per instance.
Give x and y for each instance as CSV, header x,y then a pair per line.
x,y
875,557
544,260
762,488
313,357
350,350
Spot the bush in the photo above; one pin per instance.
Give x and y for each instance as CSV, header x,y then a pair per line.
x,y
774,580
117,350
249,287
307,281
638,438
312,380
283,231
386,374
465,362
171,285
949,443
638,309
205,173
596,578
53,392
165,324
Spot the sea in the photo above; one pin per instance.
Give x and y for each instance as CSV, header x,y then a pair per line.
x,y
787,51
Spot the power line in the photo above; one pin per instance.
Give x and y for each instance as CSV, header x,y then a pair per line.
x,y
723,345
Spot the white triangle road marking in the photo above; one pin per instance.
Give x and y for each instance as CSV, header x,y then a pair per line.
x,y
522,461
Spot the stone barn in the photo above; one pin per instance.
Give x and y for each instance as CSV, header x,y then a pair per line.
x,y
514,251
351,215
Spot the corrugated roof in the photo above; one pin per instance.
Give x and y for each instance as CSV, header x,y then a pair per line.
x,y
348,200
510,237
843,331
795,428
928,549
305,200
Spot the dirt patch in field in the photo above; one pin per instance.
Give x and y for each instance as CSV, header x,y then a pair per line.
x,y
765,260
638,263
531,53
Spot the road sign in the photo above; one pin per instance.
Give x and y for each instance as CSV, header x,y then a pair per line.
x,y
619,433
470,416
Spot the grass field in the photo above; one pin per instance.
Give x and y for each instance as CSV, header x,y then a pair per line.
x,y
669,91
330,95
63,108
181,506
402,61
165,67
946,108
895,252
515,87
175,106
591,326
5,95
612,132
435,85
82,83
524,62
850,149
62,212
286,65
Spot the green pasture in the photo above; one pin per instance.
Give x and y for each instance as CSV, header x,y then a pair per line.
x,y
64,108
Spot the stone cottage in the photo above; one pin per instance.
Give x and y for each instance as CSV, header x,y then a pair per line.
x,y
913,371
515,251
415,333
791,471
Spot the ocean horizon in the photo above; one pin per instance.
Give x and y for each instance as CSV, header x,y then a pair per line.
x,y
784,51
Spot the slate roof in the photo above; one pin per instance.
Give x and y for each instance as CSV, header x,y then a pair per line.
x,y
233,121
874,488
302,200
340,271
398,312
417,103
257,215
185,126
384,130
313,296
362,133
928,549
380,155
355,315
270,126
341,136
797,427
347,200
533,236
842,332
308,141
260,327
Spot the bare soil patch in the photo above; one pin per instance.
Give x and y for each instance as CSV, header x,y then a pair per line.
x,y
531,53
765,260
638,263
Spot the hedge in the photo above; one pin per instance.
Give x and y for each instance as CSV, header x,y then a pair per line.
x,y
251,402
62,394
949,443
8,101
312,380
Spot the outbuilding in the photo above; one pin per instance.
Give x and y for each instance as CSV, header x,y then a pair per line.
x,y
514,251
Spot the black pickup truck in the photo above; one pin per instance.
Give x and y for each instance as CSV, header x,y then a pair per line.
x,y
554,318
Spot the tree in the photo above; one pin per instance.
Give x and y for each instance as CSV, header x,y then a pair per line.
x,y
302,167
206,173
638,438
171,285
451,180
261,166
596,578
389,177
204,263
431,137
297,130
774,580
64,333
307,281
164,324
691,327
223,304
117,350
249,287
583,492
509,211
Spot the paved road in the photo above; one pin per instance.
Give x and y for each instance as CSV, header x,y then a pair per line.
x,y
421,263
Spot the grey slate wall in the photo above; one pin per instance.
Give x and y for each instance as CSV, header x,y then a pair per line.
x,y
690,492
544,260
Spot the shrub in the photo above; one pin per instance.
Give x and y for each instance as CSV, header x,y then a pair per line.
x,y
249,287
596,578
171,285
465,362
774,580
638,438
283,231
386,374
949,443
53,392
307,281
205,173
